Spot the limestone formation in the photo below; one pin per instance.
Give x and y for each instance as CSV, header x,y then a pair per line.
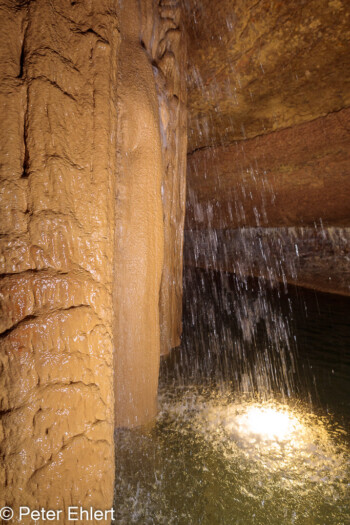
x,y
269,120
260,66
93,131
139,229
93,146
169,56
150,202
291,177
58,73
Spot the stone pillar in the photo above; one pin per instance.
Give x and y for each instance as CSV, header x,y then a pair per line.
x,y
139,229
165,42
57,147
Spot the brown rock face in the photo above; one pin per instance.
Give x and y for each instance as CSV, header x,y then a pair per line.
x,y
57,142
164,39
268,171
260,66
293,176
92,167
92,137
139,230
172,91
150,202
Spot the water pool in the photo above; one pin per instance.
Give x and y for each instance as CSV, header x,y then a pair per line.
x,y
230,448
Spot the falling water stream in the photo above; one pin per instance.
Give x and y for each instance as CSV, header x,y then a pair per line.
x,y
254,407
253,412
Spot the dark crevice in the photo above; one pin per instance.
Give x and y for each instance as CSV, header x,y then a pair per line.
x,y
5,412
4,334
32,317
21,62
90,31
55,85
45,271
25,167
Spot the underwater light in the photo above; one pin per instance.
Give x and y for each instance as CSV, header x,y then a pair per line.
x,y
267,423
289,441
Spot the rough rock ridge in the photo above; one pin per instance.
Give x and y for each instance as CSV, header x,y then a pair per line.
x,y
92,167
150,202
57,147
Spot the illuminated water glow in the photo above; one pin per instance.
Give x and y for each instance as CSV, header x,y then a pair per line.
x,y
235,457
268,423
286,440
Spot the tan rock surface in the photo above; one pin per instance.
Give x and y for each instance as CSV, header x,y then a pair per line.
x,y
139,229
269,124
92,176
261,66
291,177
165,42
57,146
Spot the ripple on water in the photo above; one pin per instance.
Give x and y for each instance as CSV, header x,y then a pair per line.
x,y
214,458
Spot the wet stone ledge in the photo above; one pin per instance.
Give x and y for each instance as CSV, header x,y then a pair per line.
x,y
313,257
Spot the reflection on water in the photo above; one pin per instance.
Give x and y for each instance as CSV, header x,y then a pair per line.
x,y
287,440
210,460
264,423
230,448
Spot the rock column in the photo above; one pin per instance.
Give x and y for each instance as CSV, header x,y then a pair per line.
x,y
57,176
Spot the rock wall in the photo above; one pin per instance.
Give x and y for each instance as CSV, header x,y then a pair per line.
x,y
150,202
92,167
293,176
57,141
139,229
315,257
269,124
165,41
256,67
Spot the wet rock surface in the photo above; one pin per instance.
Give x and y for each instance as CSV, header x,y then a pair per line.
x,y
167,49
139,230
255,67
290,177
269,138
57,212
164,41
150,202
317,257
92,195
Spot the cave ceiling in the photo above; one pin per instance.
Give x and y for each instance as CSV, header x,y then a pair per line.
x,y
259,66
